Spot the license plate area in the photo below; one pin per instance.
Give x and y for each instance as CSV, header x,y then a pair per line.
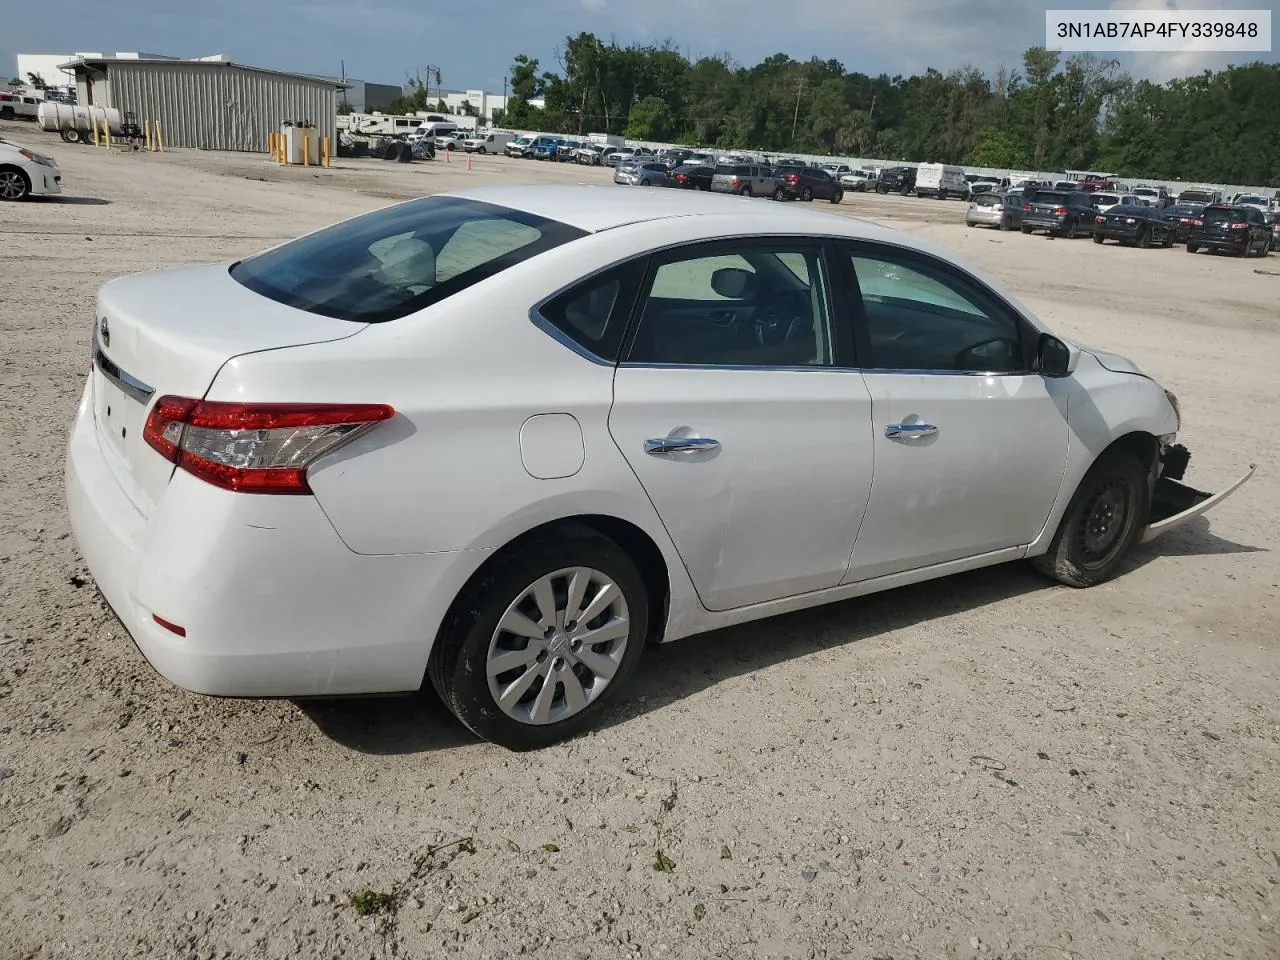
x,y
118,415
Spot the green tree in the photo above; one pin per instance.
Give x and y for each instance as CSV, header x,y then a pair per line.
x,y
651,119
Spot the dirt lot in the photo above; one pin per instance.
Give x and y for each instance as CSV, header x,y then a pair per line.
x,y
985,766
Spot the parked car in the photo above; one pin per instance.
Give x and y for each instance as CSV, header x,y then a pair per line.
x,y
1243,231
1253,200
897,180
25,173
837,170
983,185
1205,195
1135,225
19,106
620,497
806,183
745,179
673,158
548,148
1104,202
1060,213
692,176
857,181
645,173
1184,215
518,146
993,210
941,180
486,143
1153,196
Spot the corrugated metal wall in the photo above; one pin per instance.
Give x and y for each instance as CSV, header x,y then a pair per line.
x,y
217,106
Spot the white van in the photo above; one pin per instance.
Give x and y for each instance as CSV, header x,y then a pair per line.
x,y
430,129
941,180
487,143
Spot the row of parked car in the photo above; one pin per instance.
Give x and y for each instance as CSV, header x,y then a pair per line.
x,y
1245,225
782,180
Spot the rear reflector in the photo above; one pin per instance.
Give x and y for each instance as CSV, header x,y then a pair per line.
x,y
171,627
254,448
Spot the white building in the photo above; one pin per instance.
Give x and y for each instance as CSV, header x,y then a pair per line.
x,y
484,104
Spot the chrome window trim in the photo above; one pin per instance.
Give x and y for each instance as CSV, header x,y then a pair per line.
x,y
800,368
127,383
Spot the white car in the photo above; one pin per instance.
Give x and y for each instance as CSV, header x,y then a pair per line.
x,y
1257,201
25,173
501,438
1104,202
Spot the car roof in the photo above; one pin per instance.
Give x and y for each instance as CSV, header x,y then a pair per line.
x,y
597,208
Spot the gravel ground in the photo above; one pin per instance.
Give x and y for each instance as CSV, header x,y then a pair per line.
x,y
985,766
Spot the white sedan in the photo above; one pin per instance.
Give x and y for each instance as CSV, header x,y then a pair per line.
x,y
25,173
502,438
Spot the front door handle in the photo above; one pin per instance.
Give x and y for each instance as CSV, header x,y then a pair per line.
x,y
910,431
680,445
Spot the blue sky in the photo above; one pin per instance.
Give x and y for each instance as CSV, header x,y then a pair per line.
x,y
474,41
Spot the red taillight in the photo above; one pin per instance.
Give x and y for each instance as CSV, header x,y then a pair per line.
x,y
682,176
1060,211
1099,219
1026,207
254,447
1197,223
793,178
736,183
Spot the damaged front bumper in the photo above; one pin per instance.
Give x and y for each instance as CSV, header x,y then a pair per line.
x,y
1173,503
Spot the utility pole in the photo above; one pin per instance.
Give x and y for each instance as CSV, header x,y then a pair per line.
x,y
800,85
342,65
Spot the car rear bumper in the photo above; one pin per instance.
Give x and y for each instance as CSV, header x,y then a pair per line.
x,y
272,602
985,219
1220,243
1122,234
1043,223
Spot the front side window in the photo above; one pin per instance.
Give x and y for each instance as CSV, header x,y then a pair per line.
x,y
737,305
917,314
398,260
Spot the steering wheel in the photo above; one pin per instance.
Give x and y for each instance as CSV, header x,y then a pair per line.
x,y
996,354
781,318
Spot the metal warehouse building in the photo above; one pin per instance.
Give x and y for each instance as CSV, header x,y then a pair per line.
x,y
208,104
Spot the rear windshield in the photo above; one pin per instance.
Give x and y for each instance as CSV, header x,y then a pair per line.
x,y
1101,198
987,200
1220,215
1196,196
1049,196
395,261
1249,198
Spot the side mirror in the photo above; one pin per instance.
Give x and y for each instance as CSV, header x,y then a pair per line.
x,y
1054,358
732,282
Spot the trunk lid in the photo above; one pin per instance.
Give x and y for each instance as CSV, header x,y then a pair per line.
x,y
170,333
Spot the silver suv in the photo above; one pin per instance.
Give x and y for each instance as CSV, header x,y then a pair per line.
x,y
745,179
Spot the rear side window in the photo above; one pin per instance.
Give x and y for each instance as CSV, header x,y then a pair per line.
x,y
396,261
594,313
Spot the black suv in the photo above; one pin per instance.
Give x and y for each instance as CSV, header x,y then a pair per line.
x,y
805,183
897,179
1245,231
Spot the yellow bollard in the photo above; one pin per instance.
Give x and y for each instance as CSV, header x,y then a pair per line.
x,y
306,149
159,137
106,133
328,157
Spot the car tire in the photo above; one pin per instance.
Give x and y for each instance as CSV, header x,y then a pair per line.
x,y
14,184
1097,238
1005,224
6,113
471,637
1070,232
837,197
1026,230
1104,519
481,150
1168,239
779,194
1191,247
882,189
807,194
745,192
1144,240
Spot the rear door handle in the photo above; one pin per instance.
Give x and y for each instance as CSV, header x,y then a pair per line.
x,y
909,431
657,448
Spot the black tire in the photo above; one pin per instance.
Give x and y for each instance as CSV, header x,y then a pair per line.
x,y
837,197
779,194
458,662
1070,232
746,192
481,150
1005,224
1191,247
1097,238
1026,229
6,113
807,194
1116,482
1168,239
1144,240
881,189
14,184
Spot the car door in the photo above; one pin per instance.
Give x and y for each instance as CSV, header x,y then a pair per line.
x,y
970,442
736,408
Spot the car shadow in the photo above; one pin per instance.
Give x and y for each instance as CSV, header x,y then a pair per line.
x,y
73,201
420,723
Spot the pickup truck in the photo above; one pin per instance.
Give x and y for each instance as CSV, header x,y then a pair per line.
x,y
18,106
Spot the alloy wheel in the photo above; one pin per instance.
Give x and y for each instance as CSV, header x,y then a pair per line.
x,y
12,186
